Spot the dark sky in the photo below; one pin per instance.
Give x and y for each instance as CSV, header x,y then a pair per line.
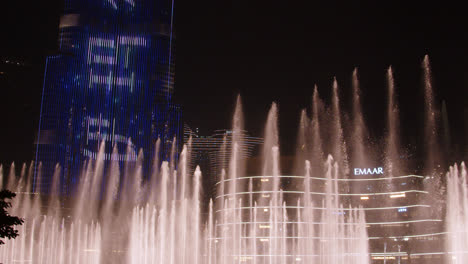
x,y
269,51
266,52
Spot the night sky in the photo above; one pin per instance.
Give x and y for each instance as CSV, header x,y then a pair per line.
x,y
265,52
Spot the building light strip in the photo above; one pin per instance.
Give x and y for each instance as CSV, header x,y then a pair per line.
x,y
431,253
370,238
103,79
401,253
405,222
321,223
398,195
322,208
325,179
297,255
438,253
291,237
412,236
320,193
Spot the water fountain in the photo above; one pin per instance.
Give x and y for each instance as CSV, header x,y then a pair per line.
x,y
457,214
119,215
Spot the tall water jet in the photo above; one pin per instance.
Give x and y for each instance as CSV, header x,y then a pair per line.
x,y
82,189
95,192
22,178
22,190
220,173
432,149
181,236
235,171
360,134
11,182
154,171
184,173
53,205
393,128
271,140
237,162
431,146
137,186
317,154
302,144
270,155
308,246
457,215
211,234
197,223
110,195
173,154
338,144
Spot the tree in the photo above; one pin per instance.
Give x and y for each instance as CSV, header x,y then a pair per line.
x,y
7,222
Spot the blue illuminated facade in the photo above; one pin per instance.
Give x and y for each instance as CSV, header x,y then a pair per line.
x,y
112,81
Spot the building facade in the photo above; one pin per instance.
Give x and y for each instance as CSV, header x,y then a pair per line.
x,y
404,215
212,153
112,81
402,224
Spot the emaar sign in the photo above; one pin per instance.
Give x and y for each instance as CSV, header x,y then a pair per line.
x,y
368,171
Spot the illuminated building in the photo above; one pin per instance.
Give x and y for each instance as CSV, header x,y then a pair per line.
x,y
111,81
403,223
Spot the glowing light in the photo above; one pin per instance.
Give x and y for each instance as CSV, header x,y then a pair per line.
x,y
116,157
99,59
364,197
398,195
91,250
98,122
384,257
103,79
368,171
102,42
132,41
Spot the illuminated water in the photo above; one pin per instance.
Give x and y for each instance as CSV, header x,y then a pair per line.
x,y
135,219
457,214
119,215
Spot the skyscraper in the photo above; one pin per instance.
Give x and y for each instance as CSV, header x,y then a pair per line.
x,y
112,81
